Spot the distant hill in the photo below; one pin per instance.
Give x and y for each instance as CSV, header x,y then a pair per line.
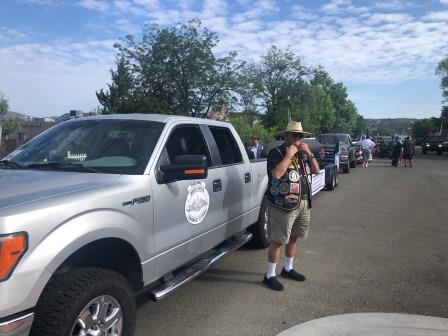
x,y
391,125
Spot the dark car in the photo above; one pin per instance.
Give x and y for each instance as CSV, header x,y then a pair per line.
x,y
433,143
331,141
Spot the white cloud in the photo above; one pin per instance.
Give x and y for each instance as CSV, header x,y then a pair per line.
x,y
437,16
54,78
444,2
98,5
391,4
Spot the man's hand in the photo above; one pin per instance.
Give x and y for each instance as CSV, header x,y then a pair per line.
x,y
291,151
301,146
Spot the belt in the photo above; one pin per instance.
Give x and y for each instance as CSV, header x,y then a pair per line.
x,y
304,197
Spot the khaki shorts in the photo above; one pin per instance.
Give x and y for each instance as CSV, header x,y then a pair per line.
x,y
283,223
366,154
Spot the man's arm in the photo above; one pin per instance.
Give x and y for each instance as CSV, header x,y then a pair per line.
x,y
281,168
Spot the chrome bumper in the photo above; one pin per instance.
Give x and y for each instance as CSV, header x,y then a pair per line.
x,y
19,326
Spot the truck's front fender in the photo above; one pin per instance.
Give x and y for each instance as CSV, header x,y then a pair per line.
x,y
81,230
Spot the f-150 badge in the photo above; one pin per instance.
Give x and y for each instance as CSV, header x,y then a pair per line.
x,y
197,202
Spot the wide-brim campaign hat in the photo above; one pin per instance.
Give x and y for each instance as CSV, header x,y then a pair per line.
x,y
295,127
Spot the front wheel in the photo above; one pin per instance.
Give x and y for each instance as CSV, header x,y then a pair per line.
x,y
439,152
85,302
260,228
346,169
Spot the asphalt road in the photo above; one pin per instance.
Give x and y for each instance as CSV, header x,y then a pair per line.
x,y
378,243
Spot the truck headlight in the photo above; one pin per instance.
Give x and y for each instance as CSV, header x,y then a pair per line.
x,y
440,145
427,145
12,248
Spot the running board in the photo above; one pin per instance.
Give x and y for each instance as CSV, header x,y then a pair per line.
x,y
200,266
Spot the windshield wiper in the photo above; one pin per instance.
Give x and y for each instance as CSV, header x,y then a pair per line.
x,y
62,165
11,164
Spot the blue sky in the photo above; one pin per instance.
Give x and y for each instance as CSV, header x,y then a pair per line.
x,y
54,54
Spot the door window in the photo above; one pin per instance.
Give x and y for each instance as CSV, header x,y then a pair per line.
x,y
186,140
227,146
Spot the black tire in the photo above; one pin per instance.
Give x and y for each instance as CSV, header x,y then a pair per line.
x,y
346,169
68,293
336,177
439,152
259,230
353,164
424,151
330,186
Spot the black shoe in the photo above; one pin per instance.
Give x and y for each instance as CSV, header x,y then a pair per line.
x,y
273,283
293,275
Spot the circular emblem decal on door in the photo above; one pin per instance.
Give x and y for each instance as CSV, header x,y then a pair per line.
x,y
197,202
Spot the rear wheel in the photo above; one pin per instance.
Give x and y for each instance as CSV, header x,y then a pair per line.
x,y
346,169
85,302
260,229
424,151
332,184
439,152
353,164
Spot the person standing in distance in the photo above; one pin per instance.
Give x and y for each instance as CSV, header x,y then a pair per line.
x,y
366,145
256,147
289,166
397,151
408,151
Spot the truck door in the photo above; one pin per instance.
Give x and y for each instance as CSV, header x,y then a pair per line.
x,y
183,210
236,178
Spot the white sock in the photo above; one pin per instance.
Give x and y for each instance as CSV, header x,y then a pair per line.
x,y
271,270
288,263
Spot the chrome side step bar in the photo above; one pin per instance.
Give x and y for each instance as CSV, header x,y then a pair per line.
x,y
200,266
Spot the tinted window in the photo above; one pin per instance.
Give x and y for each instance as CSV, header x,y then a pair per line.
x,y
95,145
227,145
186,140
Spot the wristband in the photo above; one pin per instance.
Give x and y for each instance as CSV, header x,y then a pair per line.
x,y
310,157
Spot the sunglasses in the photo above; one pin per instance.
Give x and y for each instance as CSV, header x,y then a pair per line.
x,y
296,135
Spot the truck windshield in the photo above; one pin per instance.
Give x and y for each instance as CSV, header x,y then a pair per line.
x,y
99,145
331,139
434,138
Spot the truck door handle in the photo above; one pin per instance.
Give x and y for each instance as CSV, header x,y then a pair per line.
x,y
247,178
217,185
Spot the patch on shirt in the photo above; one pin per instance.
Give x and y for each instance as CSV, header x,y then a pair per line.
x,y
274,191
275,183
294,176
294,188
291,199
283,188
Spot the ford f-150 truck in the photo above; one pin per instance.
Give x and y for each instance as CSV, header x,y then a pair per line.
x,y
98,209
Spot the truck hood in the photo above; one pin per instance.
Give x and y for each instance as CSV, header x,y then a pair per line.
x,y
24,186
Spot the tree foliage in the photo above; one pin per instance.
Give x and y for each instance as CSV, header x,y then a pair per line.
x,y
442,71
248,130
171,70
174,70
424,127
4,105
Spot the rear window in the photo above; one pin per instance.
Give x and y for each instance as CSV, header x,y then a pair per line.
x,y
227,146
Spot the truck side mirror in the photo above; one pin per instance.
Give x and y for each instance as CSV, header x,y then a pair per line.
x,y
185,167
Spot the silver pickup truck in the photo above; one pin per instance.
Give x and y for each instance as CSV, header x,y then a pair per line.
x,y
97,209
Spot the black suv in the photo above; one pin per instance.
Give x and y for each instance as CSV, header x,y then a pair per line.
x,y
433,143
332,142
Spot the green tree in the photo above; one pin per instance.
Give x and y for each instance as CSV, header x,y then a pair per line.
x,y
173,70
346,114
119,97
247,130
442,71
423,127
4,105
273,83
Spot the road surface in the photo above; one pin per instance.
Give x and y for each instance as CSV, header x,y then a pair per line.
x,y
378,243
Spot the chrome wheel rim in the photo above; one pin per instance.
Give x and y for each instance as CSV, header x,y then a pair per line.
x,y
102,316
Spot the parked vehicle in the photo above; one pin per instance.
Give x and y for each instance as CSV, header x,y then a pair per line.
x,y
433,143
105,207
333,141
